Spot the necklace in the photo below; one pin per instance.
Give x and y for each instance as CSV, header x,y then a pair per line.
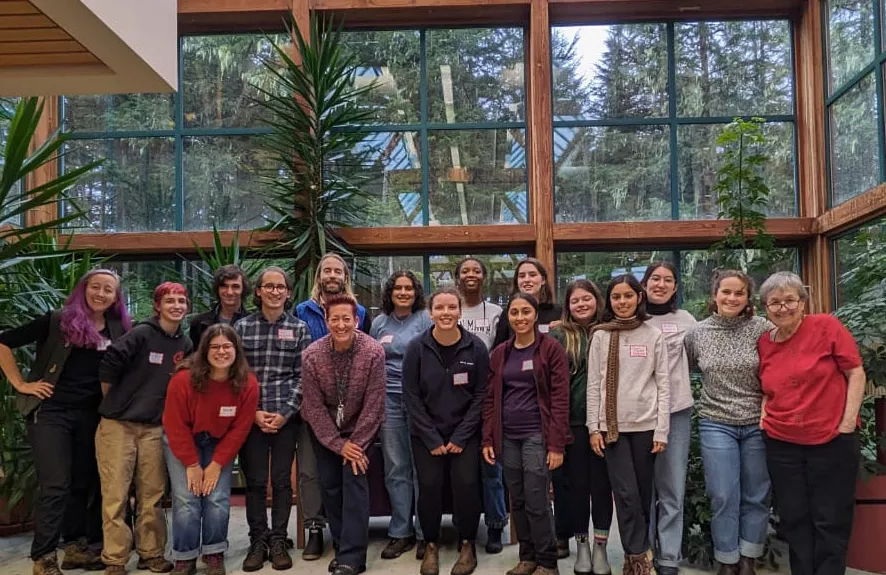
x,y
341,366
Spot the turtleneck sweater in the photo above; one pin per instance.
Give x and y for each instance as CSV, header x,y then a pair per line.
x,y
724,350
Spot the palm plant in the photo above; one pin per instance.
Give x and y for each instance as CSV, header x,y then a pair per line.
x,y
310,109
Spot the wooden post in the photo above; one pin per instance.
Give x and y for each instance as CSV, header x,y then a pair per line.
x,y
47,125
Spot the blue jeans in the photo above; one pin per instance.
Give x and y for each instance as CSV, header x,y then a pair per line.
x,y
199,524
737,482
666,525
495,514
401,480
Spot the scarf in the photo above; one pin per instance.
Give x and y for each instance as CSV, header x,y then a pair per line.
x,y
613,327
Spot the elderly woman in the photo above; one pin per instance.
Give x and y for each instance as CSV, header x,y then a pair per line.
x,y
813,383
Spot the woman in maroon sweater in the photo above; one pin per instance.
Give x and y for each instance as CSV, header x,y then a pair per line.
x,y
526,424
210,406
343,400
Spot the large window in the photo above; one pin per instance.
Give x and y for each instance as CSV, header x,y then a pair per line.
x,y
854,80
448,145
178,162
638,107
860,265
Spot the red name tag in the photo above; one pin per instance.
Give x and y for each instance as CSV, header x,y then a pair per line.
x,y
638,351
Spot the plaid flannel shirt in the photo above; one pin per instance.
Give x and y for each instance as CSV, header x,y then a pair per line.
x,y
274,352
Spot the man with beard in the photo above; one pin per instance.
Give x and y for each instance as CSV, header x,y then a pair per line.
x,y
332,277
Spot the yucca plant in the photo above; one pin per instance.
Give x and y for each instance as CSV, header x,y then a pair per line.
x,y
310,108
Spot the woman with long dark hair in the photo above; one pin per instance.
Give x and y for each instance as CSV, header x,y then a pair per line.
x,y
531,277
60,400
210,407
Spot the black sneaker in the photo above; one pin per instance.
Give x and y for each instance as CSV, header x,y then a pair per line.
x,y
314,547
562,548
397,547
493,541
420,547
279,555
256,556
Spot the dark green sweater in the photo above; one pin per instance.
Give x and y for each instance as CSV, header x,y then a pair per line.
x,y
578,383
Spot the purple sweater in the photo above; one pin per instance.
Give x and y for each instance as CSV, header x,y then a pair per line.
x,y
364,401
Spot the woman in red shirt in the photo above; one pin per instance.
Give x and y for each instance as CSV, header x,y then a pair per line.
x,y
210,406
813,383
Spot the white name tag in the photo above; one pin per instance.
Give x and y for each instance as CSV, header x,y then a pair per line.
x,y
669,328
286,334
544,327
638,351
460,379
227,411
156,358
386,339
527,365
103,345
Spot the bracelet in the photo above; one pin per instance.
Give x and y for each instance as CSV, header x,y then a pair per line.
x,y
596,432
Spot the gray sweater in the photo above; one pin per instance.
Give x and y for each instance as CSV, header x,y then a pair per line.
x,y
674,326
724,350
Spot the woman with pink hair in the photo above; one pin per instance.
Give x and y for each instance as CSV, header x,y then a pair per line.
x,y
59,400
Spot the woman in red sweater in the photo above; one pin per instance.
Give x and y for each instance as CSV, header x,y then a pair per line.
x,y
210,406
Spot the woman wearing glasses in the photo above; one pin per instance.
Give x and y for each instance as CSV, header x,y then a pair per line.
x,y
813,384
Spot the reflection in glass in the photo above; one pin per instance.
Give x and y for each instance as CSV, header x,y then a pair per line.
x,y
133,190
475,75
117,112
734,68
223,182
850,39
391,59
611,174
855,166
617,71
601,267
700,161
477,177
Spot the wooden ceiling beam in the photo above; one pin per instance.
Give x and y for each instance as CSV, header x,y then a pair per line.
x,y
206,16
851,213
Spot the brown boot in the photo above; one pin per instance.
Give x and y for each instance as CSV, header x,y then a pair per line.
x,y
523,568
728,569
467,559
115,570
747,566
78,555
47,565
155,565
430,565
546,571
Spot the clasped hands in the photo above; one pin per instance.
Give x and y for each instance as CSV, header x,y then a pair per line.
x,y
202,481
269,422
354,455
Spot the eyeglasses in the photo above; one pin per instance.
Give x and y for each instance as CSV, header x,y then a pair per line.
x,y
789,304
275,287
221,346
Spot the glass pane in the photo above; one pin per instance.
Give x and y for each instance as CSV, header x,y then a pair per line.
x,y
391,59
475,75
850,43
133,190
7,110
118,112
138,280
700,162
734,68
855,166
219,76
600,267
499,270
477,177
223,182
371,273
611,174
861,265
618,71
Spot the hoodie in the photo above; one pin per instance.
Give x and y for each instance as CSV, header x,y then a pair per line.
x,y
138,367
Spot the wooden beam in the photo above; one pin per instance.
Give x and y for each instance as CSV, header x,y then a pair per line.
x,y
816,261
47,124
206,16
145,243
810,112
540,138
853,212
460,13
608,11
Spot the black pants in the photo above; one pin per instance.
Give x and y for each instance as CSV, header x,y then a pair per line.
x,y
68,505
565,498
464,476
527,477
346,501
259,452
588,492
631,466
814,488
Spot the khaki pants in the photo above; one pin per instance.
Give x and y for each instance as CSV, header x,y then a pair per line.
x,y
130,452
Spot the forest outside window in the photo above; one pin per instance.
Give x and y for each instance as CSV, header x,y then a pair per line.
x,y
859,265
638,107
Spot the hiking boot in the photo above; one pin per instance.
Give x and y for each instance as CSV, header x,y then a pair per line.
x,y
493,541
523,568
256,556
348,570
397,547
582,556
546,571
746,566
637,565
185,567
47,565
430,565
115,570
78,555
467,559
314,547
728,569
420,547
600,563
279,555
662,570
155,565
562,548
215,564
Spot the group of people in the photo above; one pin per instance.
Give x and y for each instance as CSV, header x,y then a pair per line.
x,y
591,400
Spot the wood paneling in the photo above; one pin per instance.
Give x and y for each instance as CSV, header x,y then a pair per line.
x,y
53,47
17,7
21,60
33,35
29,39
205,16
861,208
16,22
810,112
47,124
577,11
458,15
816,265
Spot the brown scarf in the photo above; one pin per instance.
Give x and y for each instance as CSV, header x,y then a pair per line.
x,y
613,327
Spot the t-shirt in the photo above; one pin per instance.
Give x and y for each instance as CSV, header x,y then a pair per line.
x,y
803,380
394,334
447,353
521,418
482,321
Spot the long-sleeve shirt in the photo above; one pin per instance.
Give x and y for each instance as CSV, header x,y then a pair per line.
x,y
674,326
724,349
274,352
363,409
394,335
578,381
217,410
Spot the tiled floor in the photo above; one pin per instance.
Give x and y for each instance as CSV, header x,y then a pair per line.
x,y
14,552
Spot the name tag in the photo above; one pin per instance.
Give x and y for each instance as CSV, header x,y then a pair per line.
x,y
544,327
285,334
638,351
460,379
156,358
386,339
103,345
527,365
227,411
669,328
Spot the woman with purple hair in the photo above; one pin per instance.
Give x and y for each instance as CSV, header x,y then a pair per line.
x,y
59,400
